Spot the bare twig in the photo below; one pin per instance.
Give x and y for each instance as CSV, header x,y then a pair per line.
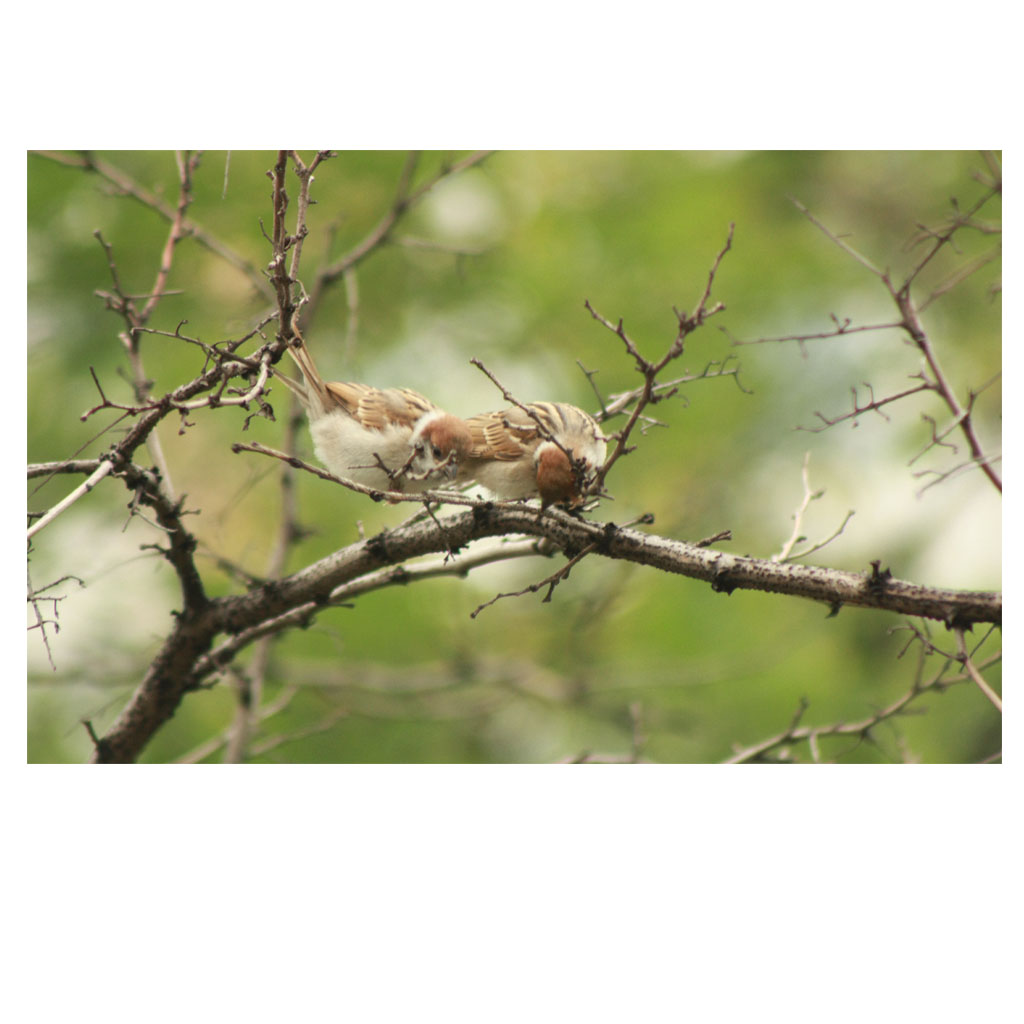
x,y
798,516
550,582
35,598
843,327
127,186
787,554
933,378
873,405
406,198
961,416
376,493
187,164
910,323
212,745
959,277
618,403
969,667
649,370
949,474
862,260
861,729
269,743
104,469
828,540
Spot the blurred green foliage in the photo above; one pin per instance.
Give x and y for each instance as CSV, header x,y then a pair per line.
x,y
620,654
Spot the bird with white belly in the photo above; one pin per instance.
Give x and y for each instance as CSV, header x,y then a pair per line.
x,y
548,449
391,438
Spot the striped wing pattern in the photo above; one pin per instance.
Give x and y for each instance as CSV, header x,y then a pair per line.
x,y
379,408
512,433
374,408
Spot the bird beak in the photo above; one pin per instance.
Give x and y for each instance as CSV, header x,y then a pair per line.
x,y
451,470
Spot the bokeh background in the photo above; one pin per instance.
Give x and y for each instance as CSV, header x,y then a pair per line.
x,y
496,264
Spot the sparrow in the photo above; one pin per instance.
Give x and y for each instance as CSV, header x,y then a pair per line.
x,y
516,456
391,438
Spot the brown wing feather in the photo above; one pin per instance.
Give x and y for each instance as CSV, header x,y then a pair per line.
x,y
505,436
348,396
377,408
417,405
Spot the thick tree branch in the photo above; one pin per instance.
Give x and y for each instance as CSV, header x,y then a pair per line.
x,y
174,672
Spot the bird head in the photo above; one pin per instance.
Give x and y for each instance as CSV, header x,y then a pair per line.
x,y
438,443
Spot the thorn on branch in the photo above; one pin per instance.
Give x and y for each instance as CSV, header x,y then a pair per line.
x,y
722,582
879,579
100,745
590,375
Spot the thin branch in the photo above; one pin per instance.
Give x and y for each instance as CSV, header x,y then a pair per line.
x,y
243,398
843,328
212,745
648,369
873,405
860,729
125,307
945,237
862,260
104,469
35,598
965,659
305,176
786,554
938,438
129,187
910,323
663,390
828,540
949,474
329,721
798,516
959,277
550,582
913,327
406,198
376,493
187,164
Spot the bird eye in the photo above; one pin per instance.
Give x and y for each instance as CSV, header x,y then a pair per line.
x,y
437,452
